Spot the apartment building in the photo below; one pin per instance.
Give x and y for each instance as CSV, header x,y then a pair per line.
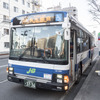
x,y
72,11
8,10
36,5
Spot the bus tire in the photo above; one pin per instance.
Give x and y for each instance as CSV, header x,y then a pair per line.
x,y
79,73
90,63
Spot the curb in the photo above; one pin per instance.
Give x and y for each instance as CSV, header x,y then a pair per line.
x,y
83,89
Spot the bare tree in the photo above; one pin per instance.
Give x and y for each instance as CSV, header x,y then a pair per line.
x,y
95,9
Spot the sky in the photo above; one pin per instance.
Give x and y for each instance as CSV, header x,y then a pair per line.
x,y
84,17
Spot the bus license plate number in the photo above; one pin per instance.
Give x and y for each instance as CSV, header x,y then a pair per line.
x,y
30,84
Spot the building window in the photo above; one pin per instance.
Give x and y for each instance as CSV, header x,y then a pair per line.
x,y
74,10
6,44
5,5
28,4
15,9
23,2
6,31
5,18
23,11
74,15
16,0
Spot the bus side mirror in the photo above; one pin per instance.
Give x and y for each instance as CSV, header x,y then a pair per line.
x,y
67,34
64,25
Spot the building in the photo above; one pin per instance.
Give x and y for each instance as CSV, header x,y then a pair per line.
x,y
8,10
72,11
55,8
36,4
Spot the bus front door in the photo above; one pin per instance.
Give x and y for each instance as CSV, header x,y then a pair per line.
x,y
73,56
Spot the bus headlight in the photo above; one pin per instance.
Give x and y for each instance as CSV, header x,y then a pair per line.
x,y
59,78
10,70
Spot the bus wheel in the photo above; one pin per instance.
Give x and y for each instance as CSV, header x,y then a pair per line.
x,y
90,63
79,74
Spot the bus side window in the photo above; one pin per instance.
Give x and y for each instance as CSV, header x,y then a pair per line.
x,y
79,41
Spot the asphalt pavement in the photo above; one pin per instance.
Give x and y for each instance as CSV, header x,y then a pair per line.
x,y
14,91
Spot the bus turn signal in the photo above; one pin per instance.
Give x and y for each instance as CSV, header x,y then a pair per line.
x,y
7,69
66,79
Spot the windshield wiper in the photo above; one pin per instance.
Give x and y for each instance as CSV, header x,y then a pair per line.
x,y
23,53
32,43
44,59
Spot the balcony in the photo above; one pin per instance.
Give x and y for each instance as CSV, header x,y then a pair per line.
x,y
6,20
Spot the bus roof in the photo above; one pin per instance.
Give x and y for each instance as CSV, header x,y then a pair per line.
x,y
78,24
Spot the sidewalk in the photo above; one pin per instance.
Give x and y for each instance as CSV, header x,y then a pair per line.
x,y
91,87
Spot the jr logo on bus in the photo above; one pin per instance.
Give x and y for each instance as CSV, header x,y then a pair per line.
x,y
31,70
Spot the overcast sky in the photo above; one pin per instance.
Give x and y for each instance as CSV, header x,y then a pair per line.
x,y
82,6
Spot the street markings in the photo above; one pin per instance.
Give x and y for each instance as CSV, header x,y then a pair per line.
x,y
3,66
3,81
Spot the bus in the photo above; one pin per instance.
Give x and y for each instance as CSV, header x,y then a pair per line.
x,y
48,50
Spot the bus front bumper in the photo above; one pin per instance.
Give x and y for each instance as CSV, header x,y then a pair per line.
x,y
47,85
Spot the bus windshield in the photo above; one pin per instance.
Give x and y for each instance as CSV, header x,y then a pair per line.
x,y
38,43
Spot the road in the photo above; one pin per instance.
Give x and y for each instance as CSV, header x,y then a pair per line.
x,y
14,91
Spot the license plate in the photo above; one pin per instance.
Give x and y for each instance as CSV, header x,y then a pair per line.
x,y
30,84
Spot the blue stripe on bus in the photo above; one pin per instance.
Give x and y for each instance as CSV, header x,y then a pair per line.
x,y
39,71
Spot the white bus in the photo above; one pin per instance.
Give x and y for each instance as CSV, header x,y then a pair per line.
x,y
48,50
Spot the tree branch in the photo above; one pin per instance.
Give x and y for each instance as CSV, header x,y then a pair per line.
x,y
95,9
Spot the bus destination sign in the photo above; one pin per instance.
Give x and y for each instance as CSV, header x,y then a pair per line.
x,y
38,18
